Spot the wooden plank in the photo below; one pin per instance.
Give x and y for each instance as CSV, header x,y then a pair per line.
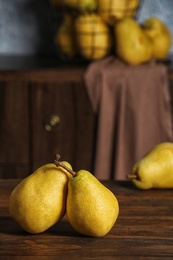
x,y
143,229
13,129
73,138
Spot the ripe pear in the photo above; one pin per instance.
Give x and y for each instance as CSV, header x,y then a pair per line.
x,y
131,43
39,200
92,209
93,36
159,35
113,10
65,39
155,169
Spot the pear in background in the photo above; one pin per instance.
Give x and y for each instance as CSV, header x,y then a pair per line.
x,y
93,36
81,5
39,200
65,39
113,10
92,209
131,43
159,35
155,169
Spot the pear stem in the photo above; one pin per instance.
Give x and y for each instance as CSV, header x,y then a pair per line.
x,y
58,163
131,176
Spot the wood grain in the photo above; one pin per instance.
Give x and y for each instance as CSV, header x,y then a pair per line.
x,y
73,139
27,98
14,136
144,229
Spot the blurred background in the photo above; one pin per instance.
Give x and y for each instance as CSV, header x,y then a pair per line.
x,y
37,100
27,27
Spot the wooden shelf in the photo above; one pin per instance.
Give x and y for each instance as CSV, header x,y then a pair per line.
x,y
30,96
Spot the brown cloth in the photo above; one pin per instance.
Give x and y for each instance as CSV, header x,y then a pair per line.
x,y
133,107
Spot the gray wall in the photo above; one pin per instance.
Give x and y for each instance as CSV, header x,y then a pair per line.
x,y
27,26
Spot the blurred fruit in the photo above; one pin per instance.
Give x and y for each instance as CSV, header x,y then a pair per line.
x,y
113,10
155,169
132,44
81,5
160,37
93,36
65,37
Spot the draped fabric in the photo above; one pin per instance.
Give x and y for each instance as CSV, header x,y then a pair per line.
x,y
133,109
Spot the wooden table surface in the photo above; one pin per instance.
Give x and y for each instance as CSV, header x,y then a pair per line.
x,y
144,229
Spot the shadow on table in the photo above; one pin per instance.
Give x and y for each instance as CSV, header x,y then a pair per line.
x,y
9,227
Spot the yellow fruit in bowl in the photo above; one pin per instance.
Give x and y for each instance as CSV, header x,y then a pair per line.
x,y
159,35
113,10
93,36
131,43
65,40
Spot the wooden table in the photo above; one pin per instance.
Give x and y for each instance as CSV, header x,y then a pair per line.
x,y
144,229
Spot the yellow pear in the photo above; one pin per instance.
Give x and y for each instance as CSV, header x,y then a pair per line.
x,y
160,37
93,36
81,5
92,209
113,10
131,43
65,39
39,200
155,169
